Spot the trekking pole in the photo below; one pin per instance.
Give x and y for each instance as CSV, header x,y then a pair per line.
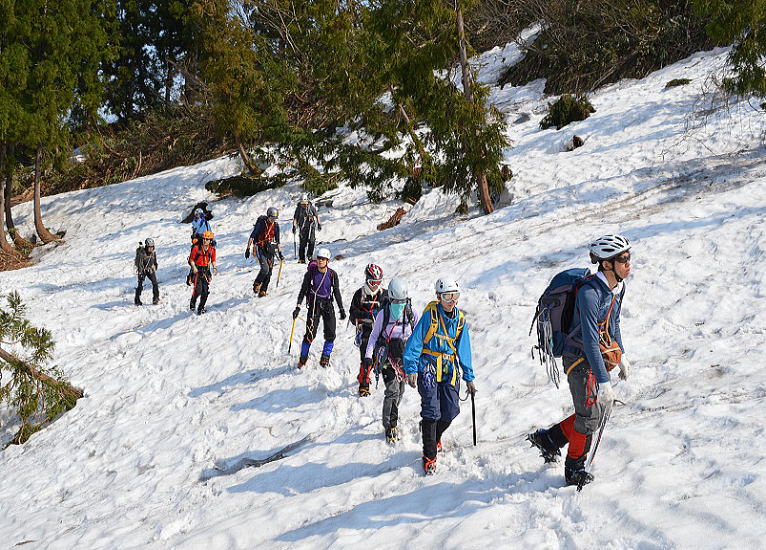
x,y
295,246
473,417
279,273
292,332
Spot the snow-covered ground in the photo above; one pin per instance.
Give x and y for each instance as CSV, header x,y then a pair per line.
x,y
169,394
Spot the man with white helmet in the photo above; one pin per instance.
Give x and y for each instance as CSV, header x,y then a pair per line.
x,y
436,353
365,305
320,285
146,266
593,347
393,327
306,222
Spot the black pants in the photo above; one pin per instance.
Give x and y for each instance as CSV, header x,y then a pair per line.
x,y
308,238
155,287
201,287
267,265
323,310
432,432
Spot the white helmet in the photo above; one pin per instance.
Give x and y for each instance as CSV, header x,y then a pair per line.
x,y
607,247
149,242
324,253
304,198
397,289
446,285
198,211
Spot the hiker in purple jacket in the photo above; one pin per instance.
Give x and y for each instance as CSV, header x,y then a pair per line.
x,y
319,285
385,347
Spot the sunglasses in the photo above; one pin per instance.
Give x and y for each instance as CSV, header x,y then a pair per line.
x,y
374,282
449,297
208,240
622,259
398,300
323,259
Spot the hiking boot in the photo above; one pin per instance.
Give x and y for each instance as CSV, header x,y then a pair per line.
x,y
156,301
301,261
201,310
256,287
429,465
364,390
543,442
392,435
324,361
262,293
138,302
302,361
577,477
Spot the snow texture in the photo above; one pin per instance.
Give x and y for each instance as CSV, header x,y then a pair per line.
x,y
171,396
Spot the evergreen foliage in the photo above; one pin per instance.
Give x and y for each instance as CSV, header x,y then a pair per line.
x,y
602,41
38,395
567,109
677,82
744,23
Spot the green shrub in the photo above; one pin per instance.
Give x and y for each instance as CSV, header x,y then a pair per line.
x,y
566,109
677,82
245,186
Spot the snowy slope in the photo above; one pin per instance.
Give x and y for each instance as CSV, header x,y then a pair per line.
x,y
169,394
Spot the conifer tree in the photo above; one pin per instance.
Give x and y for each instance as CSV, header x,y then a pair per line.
x,y
39,395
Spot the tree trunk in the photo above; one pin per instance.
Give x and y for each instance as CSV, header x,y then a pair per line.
x,y
4,244
45,235
251,167
18,240
481,177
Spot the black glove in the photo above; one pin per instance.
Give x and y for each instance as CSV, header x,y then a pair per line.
x,y
319,227
342,314
247,253
281,257
367,362
296,311
293,230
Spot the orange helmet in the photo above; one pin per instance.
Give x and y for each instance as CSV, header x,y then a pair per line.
x,y
208,235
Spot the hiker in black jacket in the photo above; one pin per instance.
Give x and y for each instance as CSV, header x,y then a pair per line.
x,y
146,266
365,304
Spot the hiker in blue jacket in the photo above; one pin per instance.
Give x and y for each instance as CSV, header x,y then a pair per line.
x,y
436,353
593,347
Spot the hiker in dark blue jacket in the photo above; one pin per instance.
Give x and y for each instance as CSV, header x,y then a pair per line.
x,y
265,242
593,348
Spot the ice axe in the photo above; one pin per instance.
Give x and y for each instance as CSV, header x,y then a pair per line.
x,y
292,332
473,418
279,273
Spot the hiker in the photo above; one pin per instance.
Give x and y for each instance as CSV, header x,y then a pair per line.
x,y
305,220
146,266
201,257
439,348
265,242
365,305
199,225
589,354
319,286
393,327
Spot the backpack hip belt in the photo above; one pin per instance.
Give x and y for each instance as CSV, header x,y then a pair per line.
x,y
440,357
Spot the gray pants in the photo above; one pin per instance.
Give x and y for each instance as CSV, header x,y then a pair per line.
x,y
392,397
583,387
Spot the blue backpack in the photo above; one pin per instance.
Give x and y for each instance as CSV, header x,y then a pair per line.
x,y
553,317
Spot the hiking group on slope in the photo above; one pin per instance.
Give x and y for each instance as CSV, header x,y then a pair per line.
x,y
578,320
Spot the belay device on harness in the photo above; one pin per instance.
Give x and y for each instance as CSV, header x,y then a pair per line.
x,y
553,317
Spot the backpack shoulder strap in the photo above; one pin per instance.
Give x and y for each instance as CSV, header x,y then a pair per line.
x,y
434,326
